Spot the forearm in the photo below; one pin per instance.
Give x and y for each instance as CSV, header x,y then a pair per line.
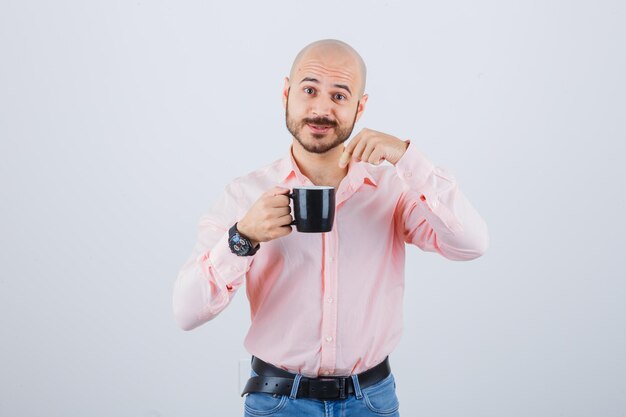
x,y
209,279
437,215
206,284
454,228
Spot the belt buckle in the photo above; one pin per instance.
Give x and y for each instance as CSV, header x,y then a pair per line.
x,y
339,384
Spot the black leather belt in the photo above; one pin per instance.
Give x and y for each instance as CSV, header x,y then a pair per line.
x,y
274,380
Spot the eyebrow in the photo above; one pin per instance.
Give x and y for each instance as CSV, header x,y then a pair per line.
x,y
315,80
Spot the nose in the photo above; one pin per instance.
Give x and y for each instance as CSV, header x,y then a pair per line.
x,y
322,106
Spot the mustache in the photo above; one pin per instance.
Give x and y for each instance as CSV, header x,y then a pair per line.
x,y
320,121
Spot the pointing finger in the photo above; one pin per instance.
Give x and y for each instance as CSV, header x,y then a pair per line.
x,y
345,156
343,160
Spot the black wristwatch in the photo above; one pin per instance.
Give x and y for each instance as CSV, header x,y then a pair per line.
x,y
239,244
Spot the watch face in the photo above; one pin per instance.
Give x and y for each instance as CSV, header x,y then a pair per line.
x,y
239,245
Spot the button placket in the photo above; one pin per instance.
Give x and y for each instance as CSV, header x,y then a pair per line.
x,y
329,312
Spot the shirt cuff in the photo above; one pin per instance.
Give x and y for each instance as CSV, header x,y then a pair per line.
x,y
228,266
414,167
419,175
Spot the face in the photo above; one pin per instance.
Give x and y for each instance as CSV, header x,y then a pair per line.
x,y
321,102
319,134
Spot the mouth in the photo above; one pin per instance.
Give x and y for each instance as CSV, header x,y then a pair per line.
x,y
319,129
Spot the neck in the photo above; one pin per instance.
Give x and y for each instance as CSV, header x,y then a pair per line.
x,y
320,168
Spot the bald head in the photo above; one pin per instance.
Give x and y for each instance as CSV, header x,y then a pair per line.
x,y
335,53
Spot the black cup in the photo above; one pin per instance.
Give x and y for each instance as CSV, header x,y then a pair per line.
x,y
313,208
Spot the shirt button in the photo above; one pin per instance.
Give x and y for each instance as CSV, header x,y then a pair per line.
x,y
407,174
332,259
326,373
330,299
435,204
329,339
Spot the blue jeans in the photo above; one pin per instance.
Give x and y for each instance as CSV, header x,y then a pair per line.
x,y
376,400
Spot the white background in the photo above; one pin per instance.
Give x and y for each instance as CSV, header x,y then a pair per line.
x,y
121,122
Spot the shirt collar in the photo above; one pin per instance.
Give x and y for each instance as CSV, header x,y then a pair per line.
x,y
357,172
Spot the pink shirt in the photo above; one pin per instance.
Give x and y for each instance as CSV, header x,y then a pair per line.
x,y
329,303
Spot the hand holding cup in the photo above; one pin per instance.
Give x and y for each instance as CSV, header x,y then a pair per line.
x,y
269,217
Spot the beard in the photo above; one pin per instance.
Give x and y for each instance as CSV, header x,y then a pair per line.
x,y
342,133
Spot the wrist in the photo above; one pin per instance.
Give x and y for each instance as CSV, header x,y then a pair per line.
x,y
402,147
239,243
243,230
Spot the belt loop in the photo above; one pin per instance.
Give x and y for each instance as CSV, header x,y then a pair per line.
x,y
357,386
294,388
252,372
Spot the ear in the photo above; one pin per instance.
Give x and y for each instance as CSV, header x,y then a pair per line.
x,y
285,92
361,108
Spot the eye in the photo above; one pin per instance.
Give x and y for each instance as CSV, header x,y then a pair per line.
x,y
309,90
339,96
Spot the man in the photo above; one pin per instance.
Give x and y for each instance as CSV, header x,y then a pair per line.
x,y
326,307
